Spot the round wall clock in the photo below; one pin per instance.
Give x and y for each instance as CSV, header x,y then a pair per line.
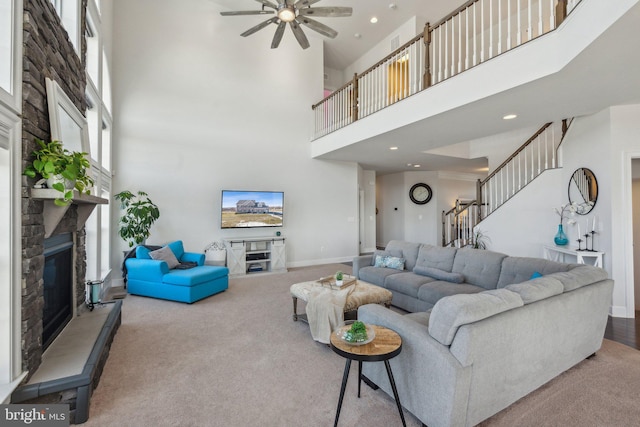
x,y
420,193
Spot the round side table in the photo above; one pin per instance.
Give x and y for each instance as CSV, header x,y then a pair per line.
x,y
386,345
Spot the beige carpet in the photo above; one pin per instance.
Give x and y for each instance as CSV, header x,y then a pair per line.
x,y
238,359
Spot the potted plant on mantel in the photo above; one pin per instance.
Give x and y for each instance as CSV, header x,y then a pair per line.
x,y
64,170
139,215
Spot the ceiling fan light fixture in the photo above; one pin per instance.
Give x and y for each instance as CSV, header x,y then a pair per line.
x,y
287,13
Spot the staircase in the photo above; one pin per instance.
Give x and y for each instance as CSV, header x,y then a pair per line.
x,y
538,154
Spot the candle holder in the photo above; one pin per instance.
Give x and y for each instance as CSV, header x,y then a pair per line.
x,y
593,235
586,241
579,244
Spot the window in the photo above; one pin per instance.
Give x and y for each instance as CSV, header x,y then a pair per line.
x,y
69,13
99,121
10,181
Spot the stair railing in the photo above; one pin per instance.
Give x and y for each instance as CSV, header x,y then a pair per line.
x,y
474,33
537,154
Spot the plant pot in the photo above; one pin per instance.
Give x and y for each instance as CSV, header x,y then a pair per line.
x,y
55,179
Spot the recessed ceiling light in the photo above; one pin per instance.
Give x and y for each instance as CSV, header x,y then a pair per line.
x,y
373,20
416,166
510,116
392,6
393,148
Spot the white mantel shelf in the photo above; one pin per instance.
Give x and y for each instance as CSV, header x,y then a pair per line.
x,y
53,213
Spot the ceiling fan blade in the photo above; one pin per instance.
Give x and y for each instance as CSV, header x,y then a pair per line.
x,y
259,26
247,12
317,26
268,4
328,12
297,31
305,3
277,37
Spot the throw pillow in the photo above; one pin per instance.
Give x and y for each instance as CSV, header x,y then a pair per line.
x,y
165,254
383,253
378,260
535,275
394,262
438,274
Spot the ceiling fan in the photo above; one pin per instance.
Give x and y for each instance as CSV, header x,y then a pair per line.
x,y
293,12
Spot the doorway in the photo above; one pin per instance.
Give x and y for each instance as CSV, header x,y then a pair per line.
x,y
635,195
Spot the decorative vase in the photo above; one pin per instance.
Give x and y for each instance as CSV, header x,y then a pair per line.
x,y
560,239
339,283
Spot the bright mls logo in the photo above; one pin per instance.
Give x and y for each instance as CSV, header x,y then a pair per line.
x,y
34,415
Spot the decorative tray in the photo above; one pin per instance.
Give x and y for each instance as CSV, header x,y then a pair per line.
x,y
343,332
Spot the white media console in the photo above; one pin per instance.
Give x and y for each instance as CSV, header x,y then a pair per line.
x,y
254,255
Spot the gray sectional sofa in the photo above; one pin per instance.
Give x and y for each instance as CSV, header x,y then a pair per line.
x,y
483,329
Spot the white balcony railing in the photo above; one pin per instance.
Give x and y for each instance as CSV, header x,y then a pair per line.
x,y
472,34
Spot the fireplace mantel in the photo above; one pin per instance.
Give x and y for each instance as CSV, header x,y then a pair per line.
x,y
54,213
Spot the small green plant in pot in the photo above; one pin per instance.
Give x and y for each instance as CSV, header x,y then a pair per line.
x,y
139,214
64,170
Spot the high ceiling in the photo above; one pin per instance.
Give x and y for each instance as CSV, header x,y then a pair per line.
x,y
346,47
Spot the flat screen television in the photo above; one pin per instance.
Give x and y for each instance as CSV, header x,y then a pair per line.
x,y
248,209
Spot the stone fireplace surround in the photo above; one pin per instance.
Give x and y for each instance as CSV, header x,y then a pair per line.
x,y
48,52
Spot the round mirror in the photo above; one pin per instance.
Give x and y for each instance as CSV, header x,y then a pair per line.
x,y
583,190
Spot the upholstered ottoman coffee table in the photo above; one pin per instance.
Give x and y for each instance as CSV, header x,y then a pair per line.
x,y
363,293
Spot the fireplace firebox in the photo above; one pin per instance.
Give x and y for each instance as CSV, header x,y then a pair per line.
x,y
58,286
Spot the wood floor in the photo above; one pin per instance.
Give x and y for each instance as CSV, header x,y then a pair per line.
x,y
624,331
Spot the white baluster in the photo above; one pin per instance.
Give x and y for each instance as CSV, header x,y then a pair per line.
x,y
509,24
483,29
529,21
552,21
460,42
499,27
491,29
475,35
540,16
446,50
519,35
468,40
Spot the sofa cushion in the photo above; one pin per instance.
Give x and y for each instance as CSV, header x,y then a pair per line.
x,y
165,254
432,292
376,275
177,248
421,317
381,254
436,257
479,267
579,276
407,283
195,276
438,274
537,289
409,251
520,269
452,312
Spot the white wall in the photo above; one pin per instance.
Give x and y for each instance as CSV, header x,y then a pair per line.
x,y
405,32
199,109
401,219
636,237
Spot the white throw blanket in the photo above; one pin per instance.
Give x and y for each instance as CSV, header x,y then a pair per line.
x,y
325,310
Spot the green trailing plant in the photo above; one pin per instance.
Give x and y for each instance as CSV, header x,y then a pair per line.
x,y
65,170
139,214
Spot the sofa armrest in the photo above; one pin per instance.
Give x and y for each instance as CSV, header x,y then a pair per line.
x,y
149,270
431,381
359,262
193,257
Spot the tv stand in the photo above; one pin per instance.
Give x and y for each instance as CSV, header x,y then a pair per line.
x,y
255,255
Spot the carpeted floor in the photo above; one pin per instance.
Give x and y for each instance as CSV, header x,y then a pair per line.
x,y
238,359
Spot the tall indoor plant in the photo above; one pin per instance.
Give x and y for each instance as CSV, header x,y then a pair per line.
x,y
64,170
139,214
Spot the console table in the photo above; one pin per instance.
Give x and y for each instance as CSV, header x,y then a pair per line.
x,y
256,255
558,253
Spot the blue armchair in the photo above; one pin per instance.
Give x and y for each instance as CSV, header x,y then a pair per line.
x,y
153,278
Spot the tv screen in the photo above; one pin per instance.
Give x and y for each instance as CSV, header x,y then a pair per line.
x,y
246,209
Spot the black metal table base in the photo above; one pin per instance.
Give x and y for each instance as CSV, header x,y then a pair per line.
x,y
345,377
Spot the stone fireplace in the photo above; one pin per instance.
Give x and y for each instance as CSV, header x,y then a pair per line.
x,y
48,52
